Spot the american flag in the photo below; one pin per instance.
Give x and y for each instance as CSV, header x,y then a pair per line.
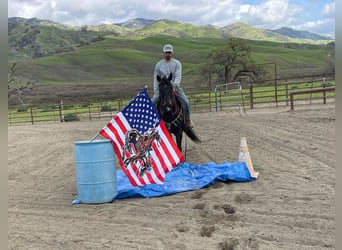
x,y
140,114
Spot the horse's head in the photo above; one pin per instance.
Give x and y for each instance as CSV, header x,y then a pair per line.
x,y
166,94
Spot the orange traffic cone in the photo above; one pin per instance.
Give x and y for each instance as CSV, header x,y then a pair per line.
x,y
244,156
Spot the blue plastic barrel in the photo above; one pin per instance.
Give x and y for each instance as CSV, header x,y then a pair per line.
x,y
95,171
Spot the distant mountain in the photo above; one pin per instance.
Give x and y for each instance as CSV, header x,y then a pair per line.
x,y
245,31
300,34
37,38
36,21
136,23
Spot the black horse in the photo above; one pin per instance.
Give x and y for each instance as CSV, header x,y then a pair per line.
x,y
172,111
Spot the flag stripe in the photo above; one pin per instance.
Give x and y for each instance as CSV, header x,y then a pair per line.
x,y
173,149
158,156
160,172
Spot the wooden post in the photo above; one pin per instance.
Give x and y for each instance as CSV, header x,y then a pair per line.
x,y
287,92
61,112
251,95
291,101
31,113
209,101
216,99
89,111
119,104
324,93
275,84
220,102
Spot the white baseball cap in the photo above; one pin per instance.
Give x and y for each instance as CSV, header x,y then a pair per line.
x,y
167,48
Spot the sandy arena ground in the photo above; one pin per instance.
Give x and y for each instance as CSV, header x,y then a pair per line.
x,y
290,206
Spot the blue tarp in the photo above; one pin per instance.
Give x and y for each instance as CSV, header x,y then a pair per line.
x,y
184,177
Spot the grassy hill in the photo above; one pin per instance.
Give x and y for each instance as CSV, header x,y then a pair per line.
x,y
37,38
117,58
178,29
31,40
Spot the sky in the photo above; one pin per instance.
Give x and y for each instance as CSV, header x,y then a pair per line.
x,y
317,16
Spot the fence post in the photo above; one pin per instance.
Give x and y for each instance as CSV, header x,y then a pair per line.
x,y
220,102
89,111
251,95
209,101
54,114
324,92
275,84
62,112
287,92
216,99
119,104
31,113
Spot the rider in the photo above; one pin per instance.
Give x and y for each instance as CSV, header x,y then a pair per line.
x,y
163,68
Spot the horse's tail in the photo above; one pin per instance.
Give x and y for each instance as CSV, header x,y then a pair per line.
x,y
192,135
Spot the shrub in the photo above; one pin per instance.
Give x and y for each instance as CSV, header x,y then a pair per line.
x,y
68,106
107,108
71,117
22,109
84,105
47,109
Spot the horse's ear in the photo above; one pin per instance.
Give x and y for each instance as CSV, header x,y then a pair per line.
x,y
170,77
158,78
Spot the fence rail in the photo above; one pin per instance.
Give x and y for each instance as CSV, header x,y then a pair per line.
x,y
236,97
309,91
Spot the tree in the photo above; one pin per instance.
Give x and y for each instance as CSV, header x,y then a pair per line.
x,y
330,61
230,62
19,86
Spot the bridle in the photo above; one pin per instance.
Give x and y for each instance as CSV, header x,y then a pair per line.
x,y
176,121
168,103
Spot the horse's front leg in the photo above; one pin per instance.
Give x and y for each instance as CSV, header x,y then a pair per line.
x,y
179,140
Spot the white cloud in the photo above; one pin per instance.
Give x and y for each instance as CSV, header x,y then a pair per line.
x,y
270,14
324,27
264,14
329,10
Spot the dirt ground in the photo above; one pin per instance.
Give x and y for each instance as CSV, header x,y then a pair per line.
x,y
291,205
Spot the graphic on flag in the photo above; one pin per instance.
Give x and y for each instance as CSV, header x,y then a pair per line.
x,y
142,143
138,147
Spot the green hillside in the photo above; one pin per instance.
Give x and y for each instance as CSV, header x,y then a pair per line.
x,y
125,59
38,38
178,29
28,40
